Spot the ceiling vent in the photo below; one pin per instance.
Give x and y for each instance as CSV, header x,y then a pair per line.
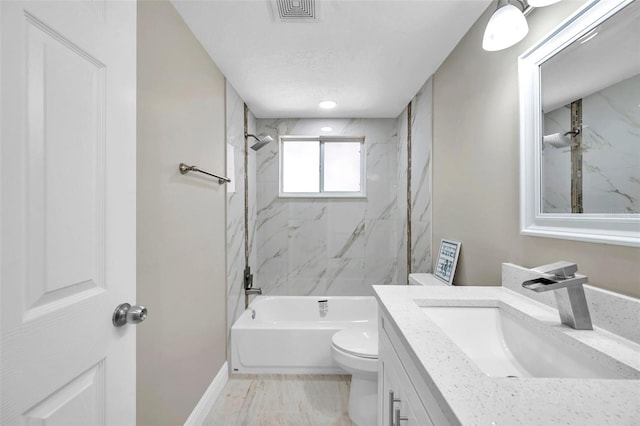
x,y
295,10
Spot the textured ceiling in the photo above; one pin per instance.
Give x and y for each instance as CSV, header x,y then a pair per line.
x,y
371,57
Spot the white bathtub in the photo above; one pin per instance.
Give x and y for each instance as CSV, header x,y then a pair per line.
x,y
289,334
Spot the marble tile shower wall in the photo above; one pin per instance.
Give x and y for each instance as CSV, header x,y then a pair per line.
x,y
235,203
611,157
421,142
401,179
556,164
329,246
610,154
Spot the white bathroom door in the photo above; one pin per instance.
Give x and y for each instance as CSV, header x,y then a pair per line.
x,y
67,194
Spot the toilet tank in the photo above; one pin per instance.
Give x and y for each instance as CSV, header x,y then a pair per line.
x,y
424,279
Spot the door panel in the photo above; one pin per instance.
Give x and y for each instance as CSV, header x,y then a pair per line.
x,y
67,162
79,402
65,127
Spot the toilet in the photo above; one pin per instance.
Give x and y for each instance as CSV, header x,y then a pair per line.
x,y
355,349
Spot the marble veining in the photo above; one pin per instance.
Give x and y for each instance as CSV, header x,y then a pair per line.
x,y
421,143
319,246
556,165
610,153
401,183
235,205
330,246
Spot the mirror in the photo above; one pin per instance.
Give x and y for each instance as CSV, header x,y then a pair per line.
x,y
580,127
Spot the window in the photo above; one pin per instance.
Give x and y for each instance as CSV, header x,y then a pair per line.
x,y
321,166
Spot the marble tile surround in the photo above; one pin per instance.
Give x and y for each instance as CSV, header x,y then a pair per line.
x,y
421,143
556,163
328,246
235,205
611,311
611,157
401,178
611,153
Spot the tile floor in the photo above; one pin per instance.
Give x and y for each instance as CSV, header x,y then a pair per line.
x,y
282,400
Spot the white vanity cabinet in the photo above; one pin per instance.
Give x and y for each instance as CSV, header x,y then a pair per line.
x,y
403,397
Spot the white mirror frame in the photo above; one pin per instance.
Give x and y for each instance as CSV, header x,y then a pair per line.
x,y
619,229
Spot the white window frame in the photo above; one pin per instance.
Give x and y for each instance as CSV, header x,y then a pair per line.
x,y
322,140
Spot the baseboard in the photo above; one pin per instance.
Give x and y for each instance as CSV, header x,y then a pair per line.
x,y
204,406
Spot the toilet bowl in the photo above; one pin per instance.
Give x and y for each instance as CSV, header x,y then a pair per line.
x,y
355,349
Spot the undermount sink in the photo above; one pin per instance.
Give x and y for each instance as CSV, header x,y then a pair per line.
x,y
503,345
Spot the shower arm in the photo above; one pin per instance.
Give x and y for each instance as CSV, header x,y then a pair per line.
x,y
247,135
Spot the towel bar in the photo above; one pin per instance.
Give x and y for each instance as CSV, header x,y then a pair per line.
x,y
184,169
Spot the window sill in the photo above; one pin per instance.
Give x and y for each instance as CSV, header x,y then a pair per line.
x,y
323,195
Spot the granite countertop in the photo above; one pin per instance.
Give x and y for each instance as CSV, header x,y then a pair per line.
x,y
475,398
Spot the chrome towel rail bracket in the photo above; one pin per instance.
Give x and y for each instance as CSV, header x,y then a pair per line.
x,y
184,169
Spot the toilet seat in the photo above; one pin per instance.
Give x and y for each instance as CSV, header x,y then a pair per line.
x,y
355,349
358,340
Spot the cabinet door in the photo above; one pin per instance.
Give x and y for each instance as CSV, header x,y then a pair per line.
x,y
396,391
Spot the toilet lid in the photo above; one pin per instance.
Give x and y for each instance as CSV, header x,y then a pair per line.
x,y
358,340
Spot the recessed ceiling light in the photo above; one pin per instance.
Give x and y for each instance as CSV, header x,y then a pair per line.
x,y
327,104
326,129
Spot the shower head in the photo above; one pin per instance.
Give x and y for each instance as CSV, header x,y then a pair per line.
x,y
560,140
262,139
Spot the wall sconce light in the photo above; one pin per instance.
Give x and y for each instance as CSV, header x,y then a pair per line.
x,y
508,24
506,27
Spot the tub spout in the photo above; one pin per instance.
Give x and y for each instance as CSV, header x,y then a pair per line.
x,y
248,292
568,291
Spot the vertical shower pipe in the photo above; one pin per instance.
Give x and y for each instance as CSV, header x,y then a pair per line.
x,y
247,278
409,113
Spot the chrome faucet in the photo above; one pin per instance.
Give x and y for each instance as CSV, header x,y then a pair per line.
x,y
248,286
569,292
248,292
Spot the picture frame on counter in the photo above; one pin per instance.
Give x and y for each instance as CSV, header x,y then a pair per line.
x,y
447,260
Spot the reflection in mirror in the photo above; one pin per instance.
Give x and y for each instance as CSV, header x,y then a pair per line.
x,y
591,121
580,127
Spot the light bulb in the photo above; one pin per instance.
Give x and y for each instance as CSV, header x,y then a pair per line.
x,y
506,27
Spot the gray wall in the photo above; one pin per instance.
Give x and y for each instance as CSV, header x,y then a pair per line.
x,y
475,159
181,219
